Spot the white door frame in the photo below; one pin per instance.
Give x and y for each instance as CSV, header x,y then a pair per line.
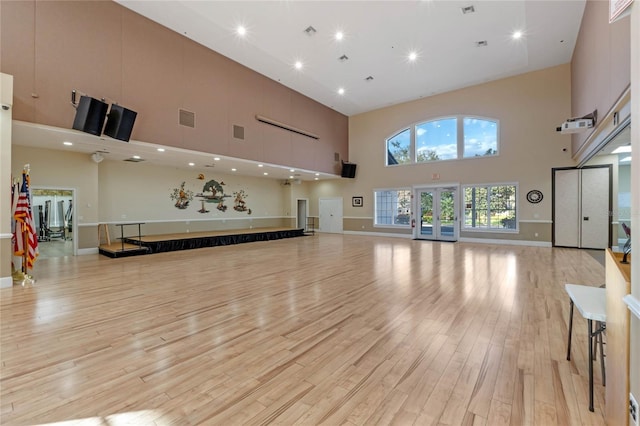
x,y
74,223
306,213
417,189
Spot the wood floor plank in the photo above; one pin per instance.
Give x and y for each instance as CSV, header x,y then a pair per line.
x,y
332,329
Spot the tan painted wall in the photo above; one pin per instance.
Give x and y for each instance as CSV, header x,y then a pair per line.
x,y
600,67
528,108
106,51
108,190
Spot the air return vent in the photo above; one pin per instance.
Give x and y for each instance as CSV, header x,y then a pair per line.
x,y
187,118
238,132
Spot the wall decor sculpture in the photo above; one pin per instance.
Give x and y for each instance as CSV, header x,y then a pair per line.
x,y
239,204
181,196
213,192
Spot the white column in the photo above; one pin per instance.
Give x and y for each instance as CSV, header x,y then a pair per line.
x,y
6,249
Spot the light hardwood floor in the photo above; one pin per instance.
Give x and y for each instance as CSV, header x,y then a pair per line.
x,y
326,329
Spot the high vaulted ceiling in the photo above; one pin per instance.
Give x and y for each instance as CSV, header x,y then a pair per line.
x,y
378,37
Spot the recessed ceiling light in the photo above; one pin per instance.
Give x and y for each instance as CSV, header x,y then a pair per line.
x,y
291,177
67,143
316,178
341,91
192,164
621,149
317,174
339,35
233,170
260,165
216,158
298,65
266,174
137,157
516,35
413,56
160,149
292,170
241,31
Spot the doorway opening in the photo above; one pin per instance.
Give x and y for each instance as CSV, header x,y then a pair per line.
x,y
437,213
53,213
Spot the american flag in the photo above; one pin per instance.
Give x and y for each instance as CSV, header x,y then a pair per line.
x,y
24,219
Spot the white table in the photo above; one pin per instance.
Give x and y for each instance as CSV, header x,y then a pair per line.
x,y
592,305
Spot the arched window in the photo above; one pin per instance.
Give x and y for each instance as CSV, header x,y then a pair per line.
x,y
399,148
446,138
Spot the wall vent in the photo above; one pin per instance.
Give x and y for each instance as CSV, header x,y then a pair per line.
x,y
187,118
284,126
238,132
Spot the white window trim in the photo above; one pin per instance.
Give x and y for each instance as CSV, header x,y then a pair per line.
x,y
464,228
375,201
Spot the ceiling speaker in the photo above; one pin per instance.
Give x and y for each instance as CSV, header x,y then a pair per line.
x,y
90,114
120,123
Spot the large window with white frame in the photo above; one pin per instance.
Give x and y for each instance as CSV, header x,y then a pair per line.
x,y
392,207
490,207
446,138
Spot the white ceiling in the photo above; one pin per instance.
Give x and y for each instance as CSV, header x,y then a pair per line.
x,y
378,36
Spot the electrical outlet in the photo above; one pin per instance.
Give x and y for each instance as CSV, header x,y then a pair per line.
x,y
633,410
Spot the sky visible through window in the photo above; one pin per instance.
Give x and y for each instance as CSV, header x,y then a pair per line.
x,y
437,140
480,137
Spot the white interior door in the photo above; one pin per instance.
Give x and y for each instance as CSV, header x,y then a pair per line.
x,y
330,210
581,203
566,203
595,208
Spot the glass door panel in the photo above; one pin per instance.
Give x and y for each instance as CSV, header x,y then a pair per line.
x,y
437,213
426,214
447,215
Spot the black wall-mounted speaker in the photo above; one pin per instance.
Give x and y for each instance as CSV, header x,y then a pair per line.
x,y
90,114
120,123
348,170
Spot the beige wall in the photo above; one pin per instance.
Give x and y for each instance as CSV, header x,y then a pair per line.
x,y
106,51
600,67
528,108
133,192
123,192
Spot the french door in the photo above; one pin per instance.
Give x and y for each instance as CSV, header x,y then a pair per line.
x,y
437,217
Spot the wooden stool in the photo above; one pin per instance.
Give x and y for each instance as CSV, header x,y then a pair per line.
x,y
104,226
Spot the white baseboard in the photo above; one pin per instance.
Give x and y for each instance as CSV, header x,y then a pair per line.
x,y
6,282
378,234
93,250
506,242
